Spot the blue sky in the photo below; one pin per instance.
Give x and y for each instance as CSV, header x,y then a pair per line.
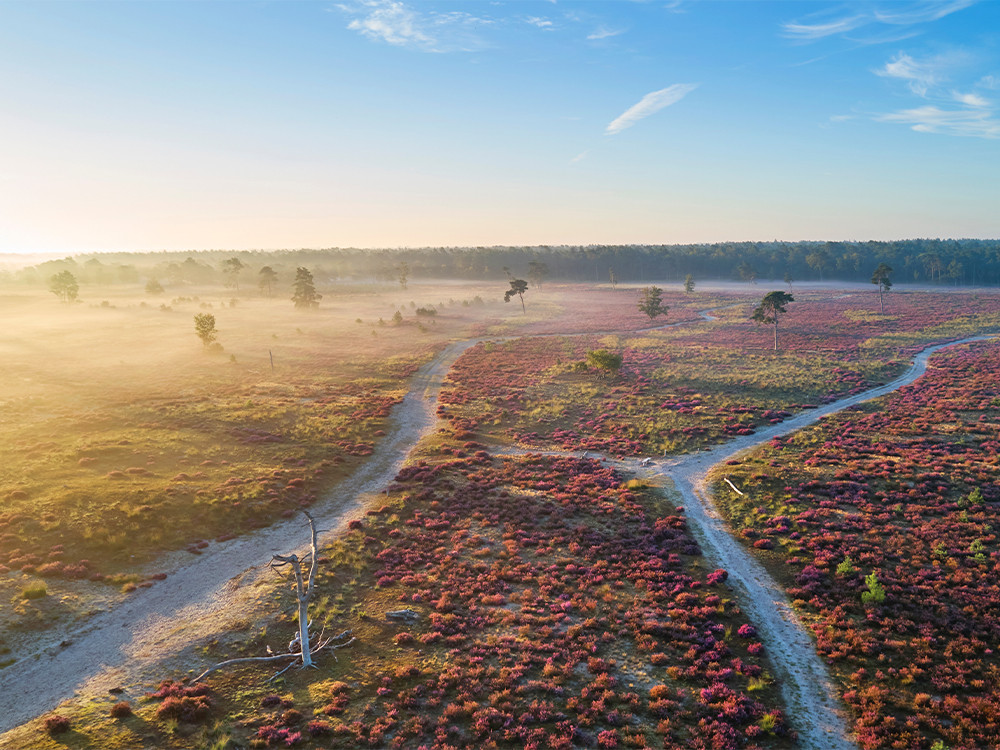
x,y
383,123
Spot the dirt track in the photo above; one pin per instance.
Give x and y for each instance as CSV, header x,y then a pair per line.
x,y
129,643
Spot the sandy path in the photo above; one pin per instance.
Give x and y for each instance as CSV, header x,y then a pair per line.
x,y
810,696
129,643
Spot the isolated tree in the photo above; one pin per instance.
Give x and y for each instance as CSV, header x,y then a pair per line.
x,y
64,286
204,326
538,271
604,361
154,287
517,287
881,279
403,274
613,278
266,279
788,280
304,293
689,283
651,302
769,310
232,268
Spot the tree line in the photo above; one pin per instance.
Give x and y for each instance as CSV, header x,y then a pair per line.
x,y
923,261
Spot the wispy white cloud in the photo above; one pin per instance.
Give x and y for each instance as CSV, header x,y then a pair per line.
x,y
390,22
989,82
970,99
811,31
841,22
542,23
603,32
650,104
579,157
919,75
394,22
921,12
974,116
975,123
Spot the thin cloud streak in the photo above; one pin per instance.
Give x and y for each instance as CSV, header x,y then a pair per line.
x,y
604,33
974,123
910,14
809,32
649,104
924,12
970,99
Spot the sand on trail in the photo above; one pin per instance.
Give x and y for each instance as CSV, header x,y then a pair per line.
x,y
808,691
130,643
202,597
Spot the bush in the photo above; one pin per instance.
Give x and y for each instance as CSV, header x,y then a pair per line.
x,y
34,591
56,724
875,593
121,710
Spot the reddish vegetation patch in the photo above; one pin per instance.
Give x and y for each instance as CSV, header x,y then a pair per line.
x,y
907,491
557,610
840,325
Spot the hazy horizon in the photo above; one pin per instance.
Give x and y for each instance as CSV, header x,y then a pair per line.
x,y
161,126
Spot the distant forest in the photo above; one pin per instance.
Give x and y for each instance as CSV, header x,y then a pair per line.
x,y
923,261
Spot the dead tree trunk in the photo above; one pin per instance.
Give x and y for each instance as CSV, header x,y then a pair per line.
x,y
303,588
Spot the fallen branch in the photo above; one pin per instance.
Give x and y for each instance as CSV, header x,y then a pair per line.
x,y
735,488
294,656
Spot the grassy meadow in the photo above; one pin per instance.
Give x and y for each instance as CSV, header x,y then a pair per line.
x,y
125,437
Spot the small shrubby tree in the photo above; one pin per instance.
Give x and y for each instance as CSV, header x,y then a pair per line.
x,y
689,283
64,286
266,280
770,308
517,288
154,287
305,295
231,268
875,593
651,302
403,274
880,278
204,326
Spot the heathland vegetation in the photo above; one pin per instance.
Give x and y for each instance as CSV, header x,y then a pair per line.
x,y
498,596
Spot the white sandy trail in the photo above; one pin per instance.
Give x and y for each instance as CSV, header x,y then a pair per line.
x,y
199,598
810,695
130,642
